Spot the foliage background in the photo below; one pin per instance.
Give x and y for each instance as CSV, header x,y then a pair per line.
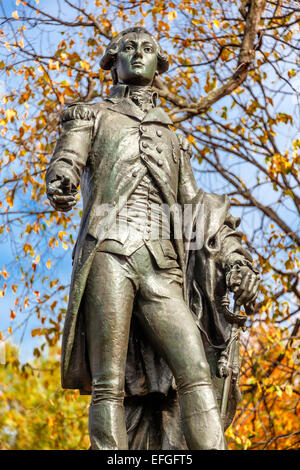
x,y
233,90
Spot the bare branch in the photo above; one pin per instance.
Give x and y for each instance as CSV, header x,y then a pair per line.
x,y
247,53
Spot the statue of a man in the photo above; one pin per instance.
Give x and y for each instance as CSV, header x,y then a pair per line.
x,y
131,290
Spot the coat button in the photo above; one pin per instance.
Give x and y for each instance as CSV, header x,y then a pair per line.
x,y
160,162
159,133
144,144
134,173
159,149
143,128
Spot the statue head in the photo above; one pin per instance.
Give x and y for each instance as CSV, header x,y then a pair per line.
x,y
134,57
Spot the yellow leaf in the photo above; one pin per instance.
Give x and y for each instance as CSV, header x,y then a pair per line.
x,y
4,274
61,235
48,264
53,65
15,15
10,114
51,422
216,23
85,65
172,15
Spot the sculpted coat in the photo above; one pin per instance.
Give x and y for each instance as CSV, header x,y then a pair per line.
x,y
108,171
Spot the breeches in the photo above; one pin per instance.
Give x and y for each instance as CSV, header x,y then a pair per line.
x,y
114,285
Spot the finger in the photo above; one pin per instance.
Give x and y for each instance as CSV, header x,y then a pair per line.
x,y
62,207
242,287
254,291
245,289
54,205
246,294
64,199
61,200
54,190
66,184
234,280
251,284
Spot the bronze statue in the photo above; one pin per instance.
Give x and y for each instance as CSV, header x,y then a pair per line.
x,y
145,332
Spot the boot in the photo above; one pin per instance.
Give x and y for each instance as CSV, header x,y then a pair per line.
x,y
107,426
201,419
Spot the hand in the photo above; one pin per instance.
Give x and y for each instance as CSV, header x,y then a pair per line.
x,y
61,194
244,283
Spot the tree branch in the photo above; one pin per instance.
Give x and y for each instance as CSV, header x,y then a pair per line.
x,y
244,61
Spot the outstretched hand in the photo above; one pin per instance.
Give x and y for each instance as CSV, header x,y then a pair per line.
x,y
245,284
61,194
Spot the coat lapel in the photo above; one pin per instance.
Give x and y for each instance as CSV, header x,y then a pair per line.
x,y
125,106
157,115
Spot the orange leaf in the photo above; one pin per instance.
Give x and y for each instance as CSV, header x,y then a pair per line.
x,y
36,332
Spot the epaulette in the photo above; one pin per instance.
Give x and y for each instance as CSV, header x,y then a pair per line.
x,y
79,110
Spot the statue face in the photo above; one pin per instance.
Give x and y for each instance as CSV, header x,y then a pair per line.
x,y
137,60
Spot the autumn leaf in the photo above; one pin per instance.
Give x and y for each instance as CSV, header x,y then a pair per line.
x,y
172,15
49,263
10,114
